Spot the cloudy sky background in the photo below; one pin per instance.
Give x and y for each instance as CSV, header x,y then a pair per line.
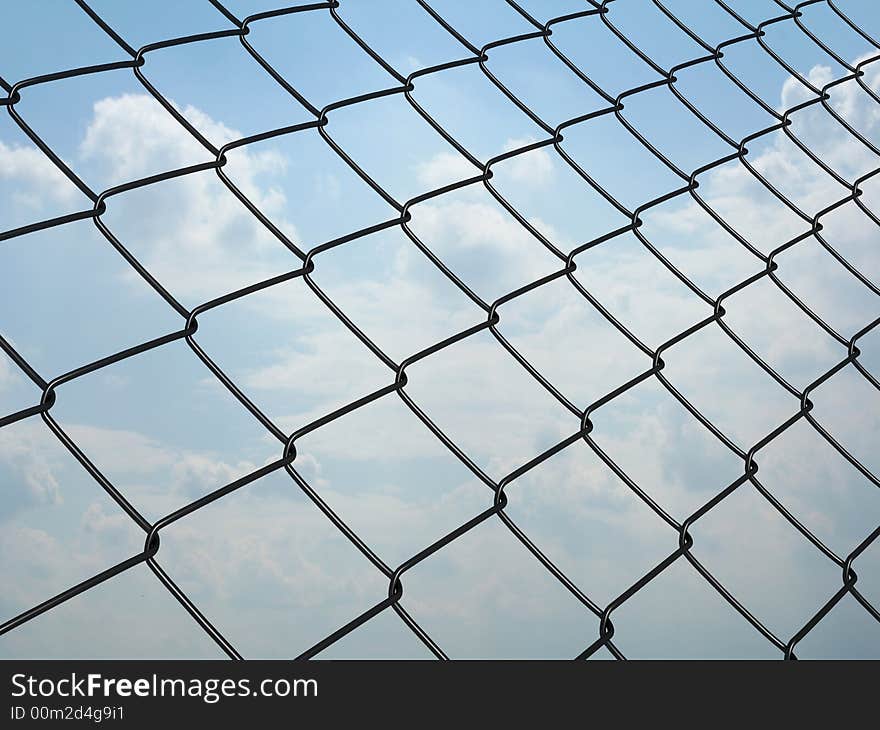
x,y
264,564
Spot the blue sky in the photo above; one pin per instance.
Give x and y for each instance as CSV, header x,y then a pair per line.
x,y
264,564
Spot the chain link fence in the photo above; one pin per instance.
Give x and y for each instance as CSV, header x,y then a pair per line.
x,y
593,12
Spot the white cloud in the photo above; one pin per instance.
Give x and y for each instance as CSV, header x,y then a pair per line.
x,y
109,524
444,168
191,233
280,564
120,450
34,176
532,168
8,373
130,134
169,476
482,243
22,451
197,473
30,450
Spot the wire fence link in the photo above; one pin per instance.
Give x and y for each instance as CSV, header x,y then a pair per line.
x,y
593,12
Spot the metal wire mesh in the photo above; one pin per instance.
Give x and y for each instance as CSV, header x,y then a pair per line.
x,y
593,12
